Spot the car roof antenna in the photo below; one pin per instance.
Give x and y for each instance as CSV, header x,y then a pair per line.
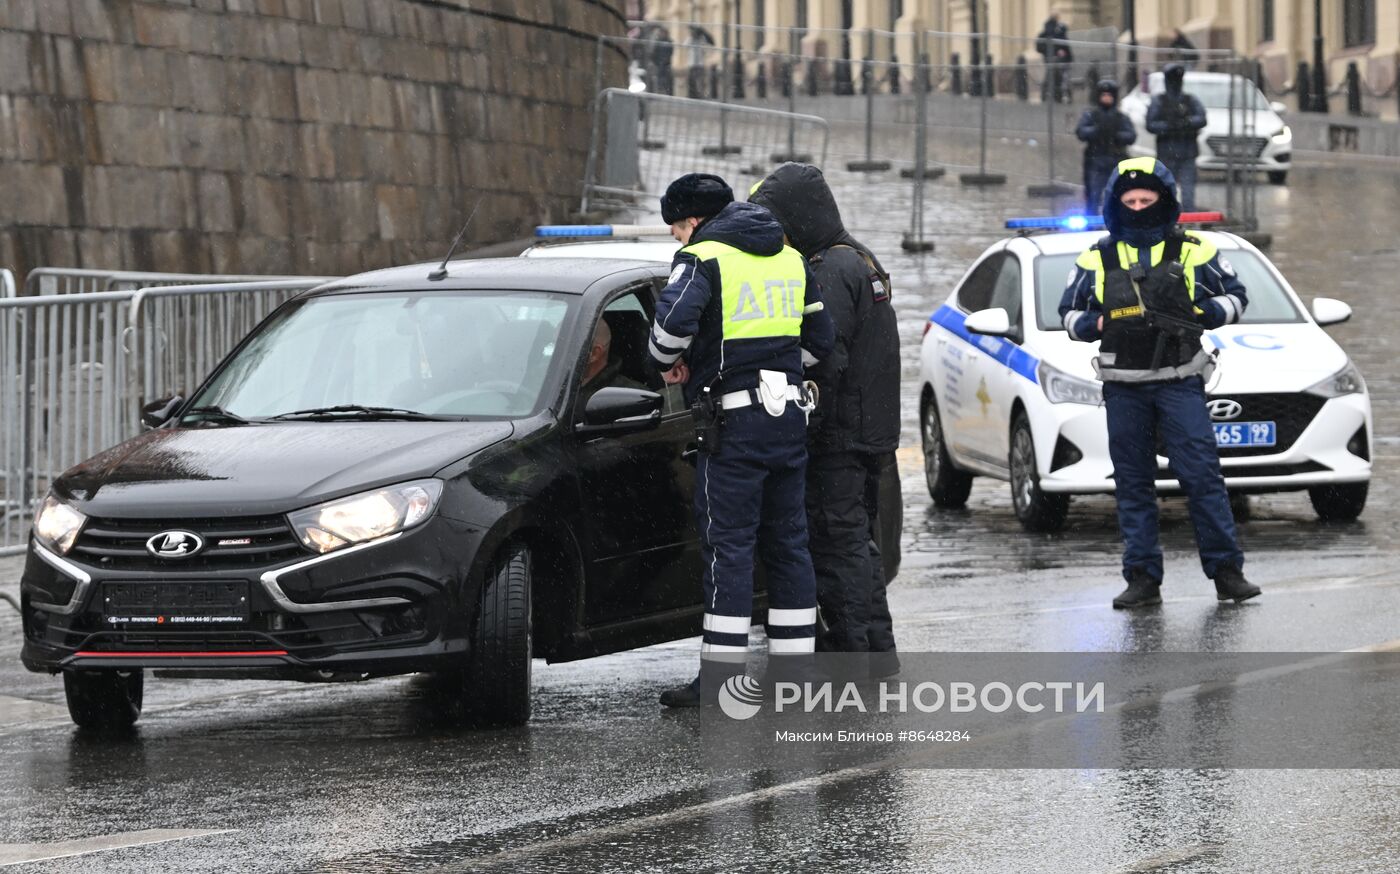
x,y
441,272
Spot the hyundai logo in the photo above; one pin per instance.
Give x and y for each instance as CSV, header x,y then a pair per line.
x,y
175,544
1224,409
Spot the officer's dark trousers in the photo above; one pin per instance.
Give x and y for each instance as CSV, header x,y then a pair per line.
x,y
1183,167
1096,173
843,499
1136,413
749,498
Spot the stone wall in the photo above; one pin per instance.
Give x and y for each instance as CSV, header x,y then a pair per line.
x,y
305,136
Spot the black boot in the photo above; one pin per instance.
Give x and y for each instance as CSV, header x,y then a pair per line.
x,y
1230,585
883,664
1142,591
686,696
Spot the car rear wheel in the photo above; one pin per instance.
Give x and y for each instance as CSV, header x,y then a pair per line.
x,y
496,682
948,486
104,700
1341,502
1036,510
1278,177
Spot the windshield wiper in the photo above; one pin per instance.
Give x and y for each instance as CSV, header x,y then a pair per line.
x,y
217,414
359,411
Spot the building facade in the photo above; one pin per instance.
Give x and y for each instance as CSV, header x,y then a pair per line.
x,y
1279,33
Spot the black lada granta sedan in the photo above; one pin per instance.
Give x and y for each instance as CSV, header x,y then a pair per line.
x,y
391,474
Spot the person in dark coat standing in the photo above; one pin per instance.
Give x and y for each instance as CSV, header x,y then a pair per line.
x,y
1053,44
856,423
1106,134
1176,118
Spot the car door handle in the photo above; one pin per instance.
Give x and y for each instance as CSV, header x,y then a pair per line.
x,y
691,455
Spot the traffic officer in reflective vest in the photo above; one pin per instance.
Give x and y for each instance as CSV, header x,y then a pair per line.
x,y
1147,292
738,317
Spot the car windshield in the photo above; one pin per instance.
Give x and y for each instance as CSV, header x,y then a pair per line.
x,y
1269,303
438,353
1215,93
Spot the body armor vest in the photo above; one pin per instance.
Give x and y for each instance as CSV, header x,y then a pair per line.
x,y
1149,318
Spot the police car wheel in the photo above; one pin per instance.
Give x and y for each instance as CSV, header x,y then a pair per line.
x,y
1340,502
104,700
1278,177
947,486
1036,510
496,683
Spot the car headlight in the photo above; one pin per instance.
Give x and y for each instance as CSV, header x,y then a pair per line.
x,y
366,516
1346,381
1284,136
57,525
1061,388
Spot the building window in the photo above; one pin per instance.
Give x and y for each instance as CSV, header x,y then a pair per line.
x,y
1358,22
896,11
1266,20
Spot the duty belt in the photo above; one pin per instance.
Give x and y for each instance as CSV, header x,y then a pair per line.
x,y
748,397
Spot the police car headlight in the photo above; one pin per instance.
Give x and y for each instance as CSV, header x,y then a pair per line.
x,y
1346,381
57,525
1061,388
366,516
1284,136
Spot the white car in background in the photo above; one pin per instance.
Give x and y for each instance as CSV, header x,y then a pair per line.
x,y
1261,139
1006,393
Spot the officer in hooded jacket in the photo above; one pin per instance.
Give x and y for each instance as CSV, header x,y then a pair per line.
x,y
736,319
1146,292
1106,134
1176,119
856,424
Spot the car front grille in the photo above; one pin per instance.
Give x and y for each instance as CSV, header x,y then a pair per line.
x,y
229,544
1291,413
1240,147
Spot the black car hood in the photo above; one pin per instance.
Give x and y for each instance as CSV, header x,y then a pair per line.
x,y
261,469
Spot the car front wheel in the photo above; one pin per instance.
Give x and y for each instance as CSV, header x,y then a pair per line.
x,y
1341,502
1278,177
1036,510
948,486
104,700
496,682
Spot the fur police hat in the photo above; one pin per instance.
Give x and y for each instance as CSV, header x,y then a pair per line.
x,y
695,194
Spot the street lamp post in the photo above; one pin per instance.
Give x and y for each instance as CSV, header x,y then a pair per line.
x,y
1130,23
1319,71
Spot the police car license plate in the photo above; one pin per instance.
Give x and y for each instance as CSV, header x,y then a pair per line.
x,y
1245,434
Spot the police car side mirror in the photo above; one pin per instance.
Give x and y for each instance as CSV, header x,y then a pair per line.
x,y
1330,311
157,413
618,410
995,322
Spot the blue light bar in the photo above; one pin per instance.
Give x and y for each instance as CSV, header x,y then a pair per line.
x,y
1060,222
573,230
602,231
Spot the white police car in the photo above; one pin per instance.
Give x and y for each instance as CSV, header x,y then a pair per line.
x,y
1006,393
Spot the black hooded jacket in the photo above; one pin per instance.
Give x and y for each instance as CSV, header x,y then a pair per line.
x,y
859,381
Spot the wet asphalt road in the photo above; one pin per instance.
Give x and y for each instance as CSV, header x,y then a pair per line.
x,y
367,777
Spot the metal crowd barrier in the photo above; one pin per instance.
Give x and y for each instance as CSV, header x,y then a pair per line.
x,y
75,369
74,280
7,283
642,141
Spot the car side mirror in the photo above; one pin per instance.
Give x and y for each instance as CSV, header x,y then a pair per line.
x,y
1278,108
157,413
618,410
995,322
1330,311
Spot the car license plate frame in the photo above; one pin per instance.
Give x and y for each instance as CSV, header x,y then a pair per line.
x,y
175,604
1236,435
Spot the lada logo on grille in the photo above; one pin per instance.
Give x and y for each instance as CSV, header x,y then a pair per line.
x,y
175,544
1223,409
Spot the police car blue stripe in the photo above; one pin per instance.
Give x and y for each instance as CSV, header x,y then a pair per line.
x,y
1003,351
